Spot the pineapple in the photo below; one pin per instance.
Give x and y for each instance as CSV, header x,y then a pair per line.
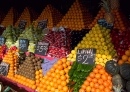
x,y
115,4
108,15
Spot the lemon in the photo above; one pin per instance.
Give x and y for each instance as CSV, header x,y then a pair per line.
x,y
109,57
99,56
104,56
70,55
73,52
73,59
100,60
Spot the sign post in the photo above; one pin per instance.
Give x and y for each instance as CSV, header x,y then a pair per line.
x,y
4,67
23,45
2,41
42,48
86,56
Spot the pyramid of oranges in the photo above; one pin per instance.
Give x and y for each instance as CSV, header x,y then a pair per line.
x,y
10,18
50,13
24,16
2,15
98,38
11,58
120,21
97,81
77,17
56,78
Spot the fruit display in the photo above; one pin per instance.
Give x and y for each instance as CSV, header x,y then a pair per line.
x,y
50,13
2,51
77,75
59,43
10,17
125,58
76,37
33,35
120,21
11,58
97,81
11,34
121,41
99,38
30,66
24,16
77,18
56,78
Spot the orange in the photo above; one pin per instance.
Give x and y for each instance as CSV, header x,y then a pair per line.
x,y
104,77
52,69
120,62
129,59
83,87
62,72
63,83
88,89
86,83
102,71
95,80
60,67
91,84
125,58
99,66
52,84
65,88
64,60
95,70
127,53
57,76
96,85
81,90
92,74
100,81
97,76
68,63
101,87
59,87
63,77
64,65
59,62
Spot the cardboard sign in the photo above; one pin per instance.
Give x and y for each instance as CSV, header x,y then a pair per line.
x,y
4,67
42,24
2,41
86,56
104,23
42,48
22,24
23,45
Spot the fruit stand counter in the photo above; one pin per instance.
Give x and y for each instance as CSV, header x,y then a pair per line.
x,y
20,86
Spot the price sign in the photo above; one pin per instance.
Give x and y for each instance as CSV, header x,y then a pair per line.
x,y
86,56
23,45
2,41
22,24
42,24
4,67
104,23
42,48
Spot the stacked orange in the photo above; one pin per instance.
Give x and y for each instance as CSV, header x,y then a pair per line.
x,y
56,78
125,58
10,18
24,16
77,17
25,81
11,58
120,21
50,13
38,77
97,81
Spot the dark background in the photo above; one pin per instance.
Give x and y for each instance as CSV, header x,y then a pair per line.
x,y
61,5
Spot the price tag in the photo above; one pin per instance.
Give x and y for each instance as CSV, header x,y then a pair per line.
x,y
104,23
42,48
86,56
22,24
42,24
4,67
2,41
23,45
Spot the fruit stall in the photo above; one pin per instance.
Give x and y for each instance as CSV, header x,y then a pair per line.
x,y
72,52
